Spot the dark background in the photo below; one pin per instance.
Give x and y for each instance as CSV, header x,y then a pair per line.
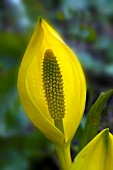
x,y
87,27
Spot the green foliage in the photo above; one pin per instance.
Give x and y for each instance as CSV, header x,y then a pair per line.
x,y
93,119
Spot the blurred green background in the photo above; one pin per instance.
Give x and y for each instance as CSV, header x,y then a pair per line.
x,y
87,27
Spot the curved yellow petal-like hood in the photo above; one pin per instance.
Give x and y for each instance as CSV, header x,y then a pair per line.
x,y
97,155
30,83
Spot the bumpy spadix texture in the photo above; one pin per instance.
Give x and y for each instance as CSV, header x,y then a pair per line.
x,y
68,84
53,85
97,155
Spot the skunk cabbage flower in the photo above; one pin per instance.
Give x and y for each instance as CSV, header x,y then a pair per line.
x,y
97,155
51,84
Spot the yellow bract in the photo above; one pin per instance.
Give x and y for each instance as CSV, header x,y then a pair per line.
x,y
97,155
31,85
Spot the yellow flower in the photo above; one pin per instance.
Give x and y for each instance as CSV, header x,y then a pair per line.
x,y
51,84
97,155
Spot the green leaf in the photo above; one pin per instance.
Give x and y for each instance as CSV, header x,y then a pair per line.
x,y
93,119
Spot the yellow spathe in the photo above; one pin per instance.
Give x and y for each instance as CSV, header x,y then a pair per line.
x,y
30,83
97,155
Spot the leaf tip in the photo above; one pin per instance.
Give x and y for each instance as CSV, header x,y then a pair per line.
x,y
40,19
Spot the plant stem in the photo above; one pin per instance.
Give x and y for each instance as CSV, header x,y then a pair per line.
x,y
63,154
59,125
